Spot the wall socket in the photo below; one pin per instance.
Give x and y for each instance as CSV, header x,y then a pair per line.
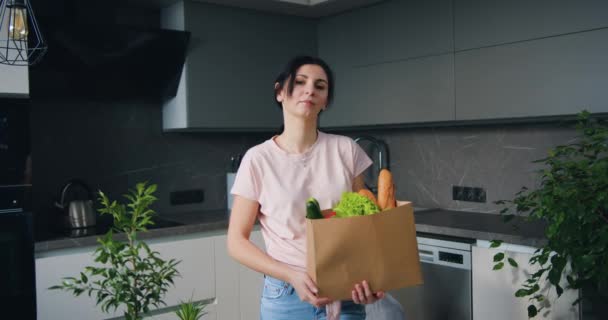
x,y
186,196
471,194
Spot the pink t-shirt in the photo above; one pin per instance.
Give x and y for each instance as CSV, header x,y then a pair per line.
x,y
281,183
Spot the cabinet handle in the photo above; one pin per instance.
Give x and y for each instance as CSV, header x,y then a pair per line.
x,y
426,255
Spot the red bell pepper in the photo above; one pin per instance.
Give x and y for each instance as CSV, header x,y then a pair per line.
x,y
330,215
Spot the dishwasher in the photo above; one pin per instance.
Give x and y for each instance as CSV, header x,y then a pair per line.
x,y
446,292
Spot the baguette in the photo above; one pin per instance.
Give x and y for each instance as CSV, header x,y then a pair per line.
x,y
391,202
368,194
386,190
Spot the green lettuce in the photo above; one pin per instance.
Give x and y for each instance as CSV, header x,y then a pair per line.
x,y
354,204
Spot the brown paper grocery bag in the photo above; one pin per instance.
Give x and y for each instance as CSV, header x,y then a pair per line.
x,y
380,248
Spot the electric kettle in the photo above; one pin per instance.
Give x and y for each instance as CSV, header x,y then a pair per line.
x,y
78,213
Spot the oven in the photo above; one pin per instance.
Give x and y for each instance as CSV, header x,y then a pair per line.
x,y
17,266
17,270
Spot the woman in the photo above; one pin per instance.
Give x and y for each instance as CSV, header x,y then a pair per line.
x,y
273,183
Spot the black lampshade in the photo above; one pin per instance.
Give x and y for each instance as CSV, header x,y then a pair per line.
x,y
21,42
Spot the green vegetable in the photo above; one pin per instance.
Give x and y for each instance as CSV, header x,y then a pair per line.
x,y
313,210
354,204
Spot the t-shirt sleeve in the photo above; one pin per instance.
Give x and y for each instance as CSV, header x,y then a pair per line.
x,y
247,180
360,159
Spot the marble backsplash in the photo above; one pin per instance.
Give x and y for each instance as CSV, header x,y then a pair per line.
x,y
427,162
114,145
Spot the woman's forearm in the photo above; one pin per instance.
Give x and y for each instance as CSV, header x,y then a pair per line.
x,y
246,253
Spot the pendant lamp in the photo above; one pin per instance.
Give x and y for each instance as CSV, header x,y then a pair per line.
x,y
21,42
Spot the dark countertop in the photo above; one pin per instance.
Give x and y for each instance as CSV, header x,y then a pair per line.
x,y
169,225
481,226
460,224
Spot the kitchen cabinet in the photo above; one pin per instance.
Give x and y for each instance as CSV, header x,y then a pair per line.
x,y
386,32
407,91
553,76
481,23
493,291
393,64
14,81
407,62
56,305
238,288
197,281
234,57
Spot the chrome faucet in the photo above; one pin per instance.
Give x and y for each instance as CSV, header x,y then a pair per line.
x,y
382,155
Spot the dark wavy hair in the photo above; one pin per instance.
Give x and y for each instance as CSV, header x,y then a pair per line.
x,y
287,76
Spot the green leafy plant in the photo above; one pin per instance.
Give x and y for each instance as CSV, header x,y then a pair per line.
x,y
572,200
191,310
132,275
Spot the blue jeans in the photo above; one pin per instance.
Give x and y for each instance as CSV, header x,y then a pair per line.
x,y
280,301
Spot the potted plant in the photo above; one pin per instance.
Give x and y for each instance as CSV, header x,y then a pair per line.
x,y
572,199
191,310
131,275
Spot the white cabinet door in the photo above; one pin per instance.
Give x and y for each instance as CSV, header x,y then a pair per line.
x,y
197,267
59,305
250,285
227,281
14,81
210,314
493,291
197,281
238,287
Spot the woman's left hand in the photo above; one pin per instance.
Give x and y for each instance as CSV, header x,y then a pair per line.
x,y
362,294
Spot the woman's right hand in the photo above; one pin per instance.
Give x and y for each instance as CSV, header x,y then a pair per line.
x,y
307,289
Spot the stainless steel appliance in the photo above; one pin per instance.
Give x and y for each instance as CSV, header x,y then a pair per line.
x,y
446,292
380,160
79,212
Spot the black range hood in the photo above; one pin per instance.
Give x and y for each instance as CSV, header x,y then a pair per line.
x,y
109,62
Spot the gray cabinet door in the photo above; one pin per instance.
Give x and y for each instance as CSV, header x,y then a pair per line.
x,y
553,76
417,90
234,58
480,23
388,31
393,63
